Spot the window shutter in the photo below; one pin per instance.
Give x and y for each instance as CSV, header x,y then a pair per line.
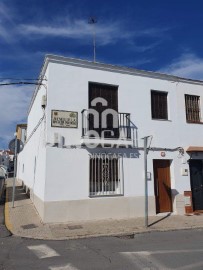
x,y
159,106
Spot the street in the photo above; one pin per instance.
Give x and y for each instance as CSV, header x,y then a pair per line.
x,y
156,250
3,231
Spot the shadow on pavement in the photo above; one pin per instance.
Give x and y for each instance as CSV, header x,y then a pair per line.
x,y
159,220
20,193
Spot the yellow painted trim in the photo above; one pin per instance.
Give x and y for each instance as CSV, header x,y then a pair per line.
x,y
7,217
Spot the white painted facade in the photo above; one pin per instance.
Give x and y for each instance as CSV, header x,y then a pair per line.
x,y
58,177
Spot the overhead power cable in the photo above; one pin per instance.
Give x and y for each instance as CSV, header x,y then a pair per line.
x,y
21,79
17,83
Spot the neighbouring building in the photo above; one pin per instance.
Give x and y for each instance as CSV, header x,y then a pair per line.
x,y
83,158
21,132
6,157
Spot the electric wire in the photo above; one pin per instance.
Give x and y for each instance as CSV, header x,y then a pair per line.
x,y
22,79
19,83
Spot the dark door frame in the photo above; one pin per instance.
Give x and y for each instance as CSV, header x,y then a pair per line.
x,y
196,186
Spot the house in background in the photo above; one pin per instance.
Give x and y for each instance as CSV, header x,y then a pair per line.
x,y
83,158
21,132
6,156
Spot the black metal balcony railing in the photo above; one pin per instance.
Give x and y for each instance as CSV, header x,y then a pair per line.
x,y
116,126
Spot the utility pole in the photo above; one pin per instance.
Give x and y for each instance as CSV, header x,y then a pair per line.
x,y
15,167
145,178
93,21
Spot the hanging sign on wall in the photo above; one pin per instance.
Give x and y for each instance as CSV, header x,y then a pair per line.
x,y
64,119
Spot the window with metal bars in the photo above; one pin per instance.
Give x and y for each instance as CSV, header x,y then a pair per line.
x,y
159,105
192,108
105,175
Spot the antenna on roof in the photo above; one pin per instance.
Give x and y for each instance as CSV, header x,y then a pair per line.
x,y
93,21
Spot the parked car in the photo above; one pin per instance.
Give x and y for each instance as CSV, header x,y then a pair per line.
x,y
11,169
2,182
5,169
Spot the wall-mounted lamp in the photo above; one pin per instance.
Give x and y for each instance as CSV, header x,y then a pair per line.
x,y
44,102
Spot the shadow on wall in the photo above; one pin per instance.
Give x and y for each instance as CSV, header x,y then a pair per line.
x,y
124,152
20,193
134,133
174,193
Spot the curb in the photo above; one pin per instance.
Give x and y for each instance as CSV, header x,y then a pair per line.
x,y
119,235
7,217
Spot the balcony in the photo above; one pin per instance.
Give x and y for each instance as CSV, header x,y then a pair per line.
x,y
106,128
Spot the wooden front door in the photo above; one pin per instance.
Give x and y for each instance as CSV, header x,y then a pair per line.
x,y
162,186
196,179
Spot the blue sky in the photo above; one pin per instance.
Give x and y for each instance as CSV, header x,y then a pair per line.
x,y
156,35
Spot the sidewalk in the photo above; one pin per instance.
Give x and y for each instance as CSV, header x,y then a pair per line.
x,y
24,221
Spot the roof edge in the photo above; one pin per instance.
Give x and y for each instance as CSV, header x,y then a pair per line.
x,y
107,67
117,68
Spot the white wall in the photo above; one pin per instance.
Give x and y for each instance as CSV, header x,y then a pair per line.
x,y
189,134
31,167
67,174
63,174
68,90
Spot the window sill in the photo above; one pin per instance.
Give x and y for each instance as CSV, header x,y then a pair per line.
x,y
198,123
105,195
168,120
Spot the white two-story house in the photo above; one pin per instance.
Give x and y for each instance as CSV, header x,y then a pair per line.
x,y
84,156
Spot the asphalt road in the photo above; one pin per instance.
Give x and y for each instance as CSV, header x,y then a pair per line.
x,y
169,250
3,231
163,250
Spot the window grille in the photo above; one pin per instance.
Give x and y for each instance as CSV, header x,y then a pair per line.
x,y
123,131
105,175
159,105
192,107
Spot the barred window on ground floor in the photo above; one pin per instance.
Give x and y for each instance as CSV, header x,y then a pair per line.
x,y
106,173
